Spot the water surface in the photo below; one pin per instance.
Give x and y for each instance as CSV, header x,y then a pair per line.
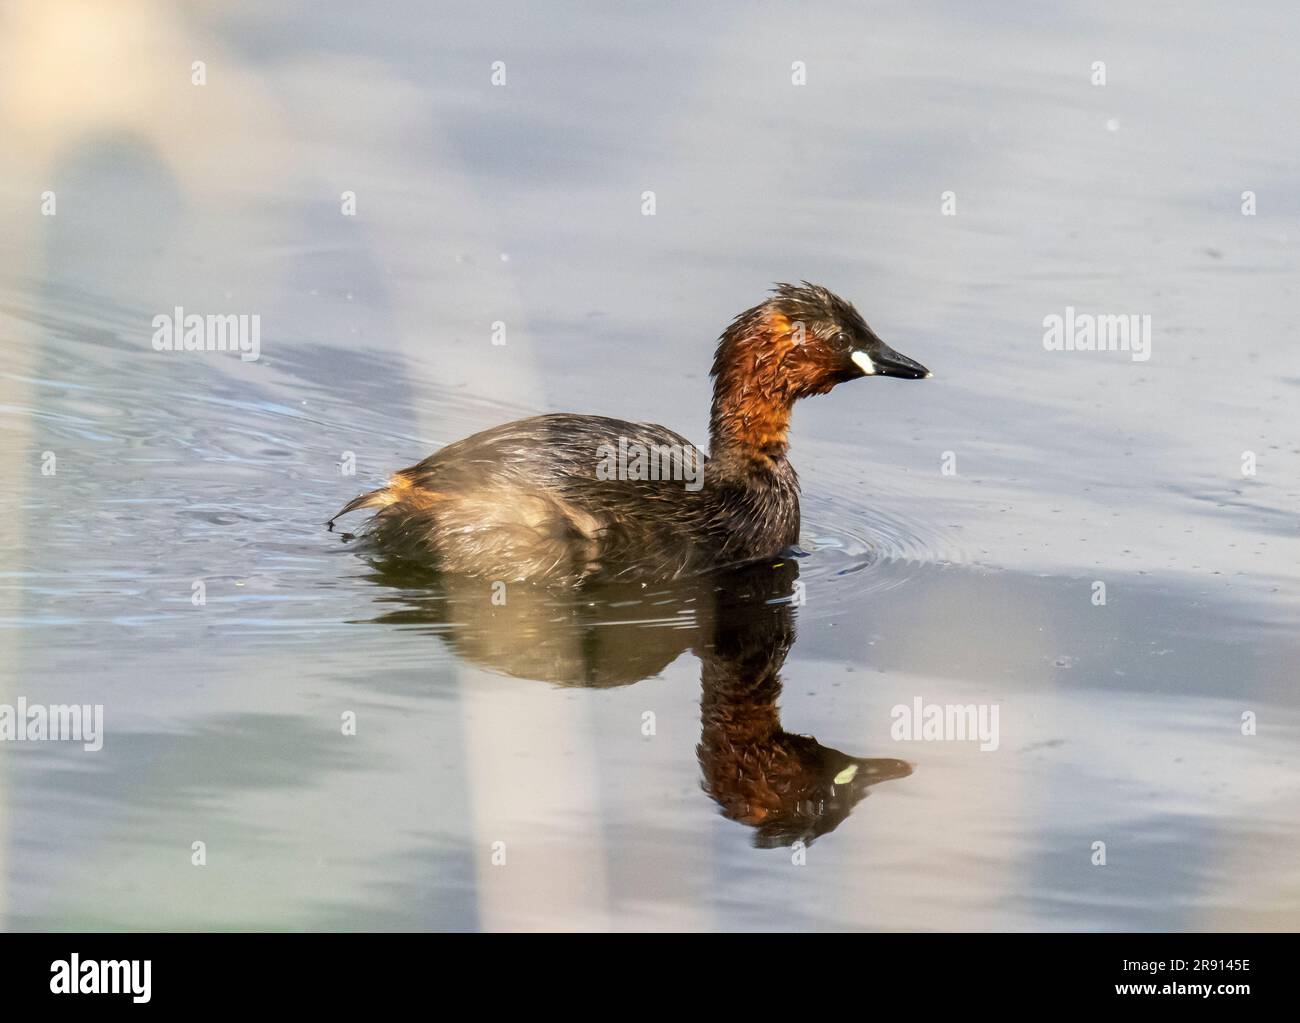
x,y
478,724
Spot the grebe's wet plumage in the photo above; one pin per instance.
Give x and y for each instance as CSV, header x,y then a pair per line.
x,y
525,501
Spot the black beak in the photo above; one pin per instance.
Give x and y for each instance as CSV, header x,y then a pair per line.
x,y
886,362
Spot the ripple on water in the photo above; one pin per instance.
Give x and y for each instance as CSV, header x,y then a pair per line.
x,y
851,549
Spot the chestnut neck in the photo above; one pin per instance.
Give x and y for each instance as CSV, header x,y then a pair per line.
x,y
749,426
750,420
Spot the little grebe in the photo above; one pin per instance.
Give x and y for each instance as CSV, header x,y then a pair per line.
x,y
554,498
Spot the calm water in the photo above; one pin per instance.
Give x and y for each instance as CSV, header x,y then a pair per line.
x,y
525,724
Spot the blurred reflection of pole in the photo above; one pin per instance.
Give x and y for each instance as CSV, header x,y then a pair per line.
x,y
74,73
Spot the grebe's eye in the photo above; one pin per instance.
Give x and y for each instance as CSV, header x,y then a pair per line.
x,y
842,340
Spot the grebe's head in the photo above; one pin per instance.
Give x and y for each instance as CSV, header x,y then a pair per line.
x,y
816,339
790,788
802,341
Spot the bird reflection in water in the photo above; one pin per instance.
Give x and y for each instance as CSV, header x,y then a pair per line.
x,y
738,622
